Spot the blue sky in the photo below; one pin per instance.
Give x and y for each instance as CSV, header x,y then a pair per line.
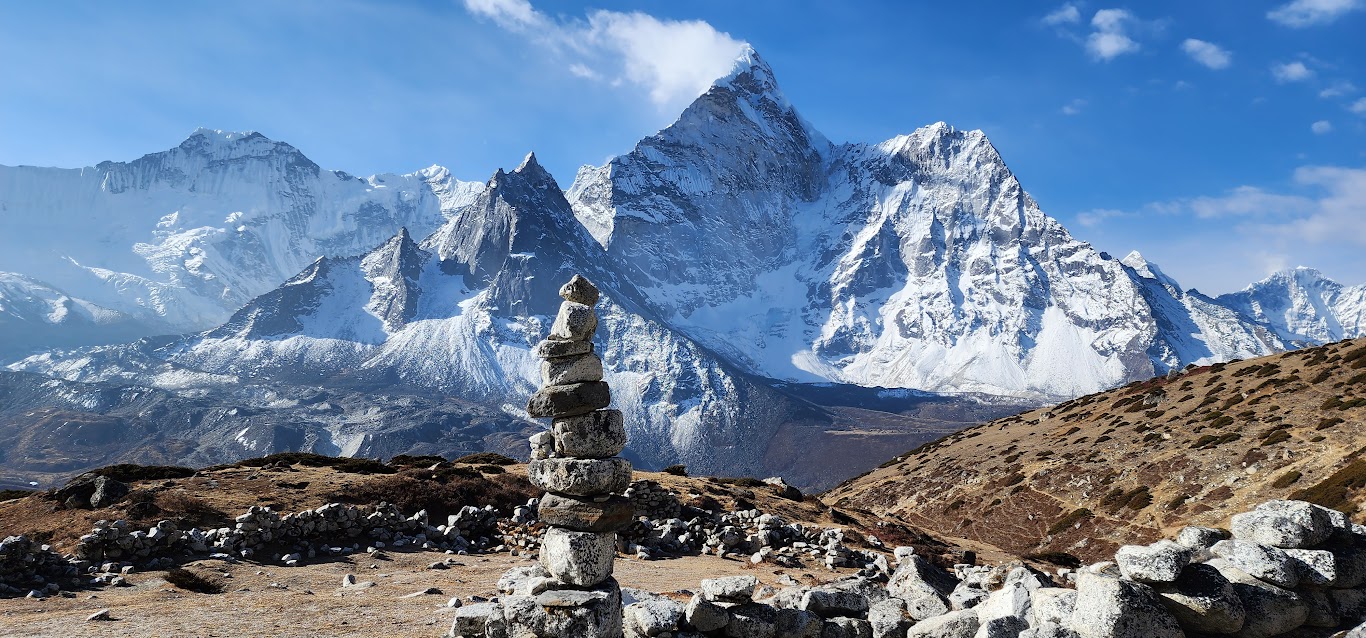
x,y
1222,138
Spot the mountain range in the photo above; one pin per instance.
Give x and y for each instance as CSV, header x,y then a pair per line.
x,y
745,260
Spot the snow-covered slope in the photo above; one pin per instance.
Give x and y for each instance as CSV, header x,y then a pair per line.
x,y
1303,307
917,262
34,314
185,237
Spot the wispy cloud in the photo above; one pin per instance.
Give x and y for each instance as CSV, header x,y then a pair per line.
x,y
1074,107
1291,72
1358,107
1096,217
1066,14
674,60
1307,13
1338,89
1321,127
1207,53
1109,38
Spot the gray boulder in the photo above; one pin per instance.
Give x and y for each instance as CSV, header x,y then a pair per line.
x,y
1315,567
1270,610
569,400
888,618
832,604
580,477
472,621
846,628
1051,605
107,492
797,623
1286,524
652,617
596,435
583,368
550,349
956,624
704,615
574,322
1114,608
1160,562
1262,561
578,558
591,613
1200,537
1203,600
585,515
730,589
1005,613
752,620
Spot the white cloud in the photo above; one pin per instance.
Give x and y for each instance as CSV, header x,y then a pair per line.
x,y
1110,39
1207,53
1074,107
674,60
1244,201
1358,107
1321,127
1094,218
1066,14
1338,89
1304,13
1291,72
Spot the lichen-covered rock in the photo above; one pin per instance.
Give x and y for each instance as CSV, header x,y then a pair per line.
x,y
797,623
578,558
551,349
554,613
1270,610
472,621
566,370
1200,537
558,401
752,620
955,624
596,435
580,477
586,515
575,322
1005,613
1051,605
1115,608
1160,562
1268,563
1203,600
704,615
1286,524
730,589
579,290
1315,567
842,627
888,618
832,604
652,617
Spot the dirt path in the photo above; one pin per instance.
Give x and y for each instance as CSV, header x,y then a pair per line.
x,y
265,600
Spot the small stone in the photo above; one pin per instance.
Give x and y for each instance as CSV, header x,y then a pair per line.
x,y
102,614
551,349
652,617
569,400
579,290
580,477
1199,537
575,322
566,370
596,435
583,559
832,604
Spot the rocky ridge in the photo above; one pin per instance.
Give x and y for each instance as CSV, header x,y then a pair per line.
x,y
1193,447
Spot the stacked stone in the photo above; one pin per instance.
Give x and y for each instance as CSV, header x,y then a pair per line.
x,y
576,463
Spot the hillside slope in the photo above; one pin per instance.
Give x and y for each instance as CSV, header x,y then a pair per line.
x,y
1117,467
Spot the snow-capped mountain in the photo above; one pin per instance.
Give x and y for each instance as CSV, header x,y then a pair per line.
x,y
738,251
185,237
32,312
1303,307
917,262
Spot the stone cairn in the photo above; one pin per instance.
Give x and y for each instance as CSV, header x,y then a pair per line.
x,y
571,592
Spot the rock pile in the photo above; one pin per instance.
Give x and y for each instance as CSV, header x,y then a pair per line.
x,y
571,591
33,569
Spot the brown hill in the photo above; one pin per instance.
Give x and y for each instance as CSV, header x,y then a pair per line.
x,y
1130,464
